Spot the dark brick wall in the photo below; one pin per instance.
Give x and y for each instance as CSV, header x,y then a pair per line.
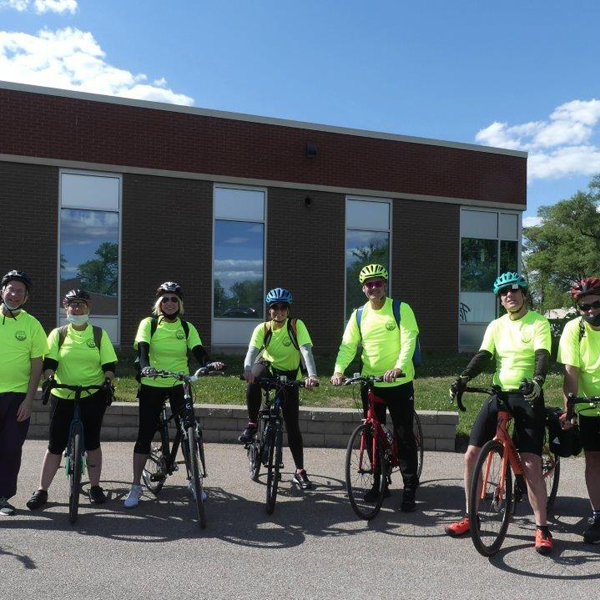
x,y
28,232
305,252
33,124
425,268
167,236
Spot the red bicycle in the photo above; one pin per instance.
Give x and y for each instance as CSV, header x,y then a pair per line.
x,y
372,454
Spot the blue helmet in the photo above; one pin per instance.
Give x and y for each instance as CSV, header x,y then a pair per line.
x,y
508,279
279,295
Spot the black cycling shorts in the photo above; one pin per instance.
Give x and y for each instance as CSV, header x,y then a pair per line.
x,y
61,414
589,430
529,422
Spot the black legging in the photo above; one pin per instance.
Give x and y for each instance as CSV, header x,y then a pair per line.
x,y
400,402
290,407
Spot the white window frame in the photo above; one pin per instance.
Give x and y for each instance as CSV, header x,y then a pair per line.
x,y
117,317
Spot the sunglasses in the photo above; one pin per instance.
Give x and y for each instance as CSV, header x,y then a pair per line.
x,y
166,299
585,307
279,307
373,284
506,291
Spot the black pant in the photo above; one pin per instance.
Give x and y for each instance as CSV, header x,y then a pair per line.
x,y
12,438
290,407
400,402
151,402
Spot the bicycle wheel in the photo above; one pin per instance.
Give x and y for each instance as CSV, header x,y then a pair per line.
x,y
194,455
254,459
274,444
490,499
361,478
155,469
551,474
418,433
75,470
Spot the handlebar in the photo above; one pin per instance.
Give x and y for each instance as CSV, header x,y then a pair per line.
x,y
572,400
53,385
201,372
474,390
357,378
279,382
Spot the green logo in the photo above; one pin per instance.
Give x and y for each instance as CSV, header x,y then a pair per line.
x,y
390,326
91,344
180,335
21,335
287,343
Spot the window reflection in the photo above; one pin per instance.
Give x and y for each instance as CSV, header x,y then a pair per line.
x,y
479,265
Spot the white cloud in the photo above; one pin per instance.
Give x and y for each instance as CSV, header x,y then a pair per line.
x,y
41,6
72,59
560,146
532,221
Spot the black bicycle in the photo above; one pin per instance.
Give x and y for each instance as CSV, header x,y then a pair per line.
x,y
267,447
162,460
75,457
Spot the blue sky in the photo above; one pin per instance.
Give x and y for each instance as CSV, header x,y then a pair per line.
x,y
515,74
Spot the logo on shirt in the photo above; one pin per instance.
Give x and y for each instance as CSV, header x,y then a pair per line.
x,y
21,335
180,335
90,344
390,326
287,343
526,335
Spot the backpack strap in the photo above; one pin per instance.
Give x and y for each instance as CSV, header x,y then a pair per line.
x,y
96,331
153,326
581,329
359,314
292,327
186,328
62,335
396,310
267,333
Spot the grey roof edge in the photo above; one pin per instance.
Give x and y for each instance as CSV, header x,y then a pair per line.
x,y
35,89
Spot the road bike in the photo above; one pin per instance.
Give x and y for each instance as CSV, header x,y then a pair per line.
x,y
372,451
162,460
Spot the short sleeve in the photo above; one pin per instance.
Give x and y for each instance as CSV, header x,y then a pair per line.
x,y
193,337
143,332
542,337
107,352
568,347
303,335
53,345
488,343
39,345
258,336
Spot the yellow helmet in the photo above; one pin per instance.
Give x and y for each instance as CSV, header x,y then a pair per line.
x,y
371,271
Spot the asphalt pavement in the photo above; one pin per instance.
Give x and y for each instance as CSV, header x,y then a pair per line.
x,y
313,546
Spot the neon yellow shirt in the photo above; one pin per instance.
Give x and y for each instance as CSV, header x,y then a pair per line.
x,y
281,352
514,343
21,339
585,356
79,361
168,349
383,346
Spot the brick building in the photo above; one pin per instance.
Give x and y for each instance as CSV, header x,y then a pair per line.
x,y
124,194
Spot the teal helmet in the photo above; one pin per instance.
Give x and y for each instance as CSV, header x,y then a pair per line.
x,y
509,279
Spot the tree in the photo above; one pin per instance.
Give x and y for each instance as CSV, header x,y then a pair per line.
x,y
564,247
101,274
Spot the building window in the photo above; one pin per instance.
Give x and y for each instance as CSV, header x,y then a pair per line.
x,y
367,241
89,248
239,249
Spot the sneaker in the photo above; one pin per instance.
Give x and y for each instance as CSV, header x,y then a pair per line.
x,y
373,494
97,495
592,534
459,528
133,498
408,500
248,434
543,545
193,491
301,479
37,500
7,509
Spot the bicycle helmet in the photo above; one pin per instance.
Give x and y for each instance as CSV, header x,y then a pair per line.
x,y
585,287
72,295
17,276
509,279
279,294
371,271
169,287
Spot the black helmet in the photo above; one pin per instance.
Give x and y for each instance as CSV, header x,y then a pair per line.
x,y
17,276
169,287
76,295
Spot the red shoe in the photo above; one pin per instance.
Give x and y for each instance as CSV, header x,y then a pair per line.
x,y
543,544
459,528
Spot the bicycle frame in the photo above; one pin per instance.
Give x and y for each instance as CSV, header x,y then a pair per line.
x,y
378,432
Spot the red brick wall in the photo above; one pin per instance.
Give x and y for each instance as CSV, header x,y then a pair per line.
x,y
72,129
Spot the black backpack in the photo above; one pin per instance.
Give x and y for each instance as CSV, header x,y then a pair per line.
x,y
62,335
292,329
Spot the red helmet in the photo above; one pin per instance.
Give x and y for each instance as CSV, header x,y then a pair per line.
x,y
586,287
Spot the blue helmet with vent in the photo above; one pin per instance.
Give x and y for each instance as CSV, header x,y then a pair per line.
x,y
279,294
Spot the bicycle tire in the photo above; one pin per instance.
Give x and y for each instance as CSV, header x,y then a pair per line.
x,y
490,515
274,441
551,474
254,461
360,473
75,471
155,469
418,433
194,455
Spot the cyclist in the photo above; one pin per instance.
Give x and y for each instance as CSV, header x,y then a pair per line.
x,y
520,341
162,342
388,347
579,351
287,342
74,358
22,348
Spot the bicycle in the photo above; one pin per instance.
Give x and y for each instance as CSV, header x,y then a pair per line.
x,y
266,448
75,458
162,461
372,451
492,499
